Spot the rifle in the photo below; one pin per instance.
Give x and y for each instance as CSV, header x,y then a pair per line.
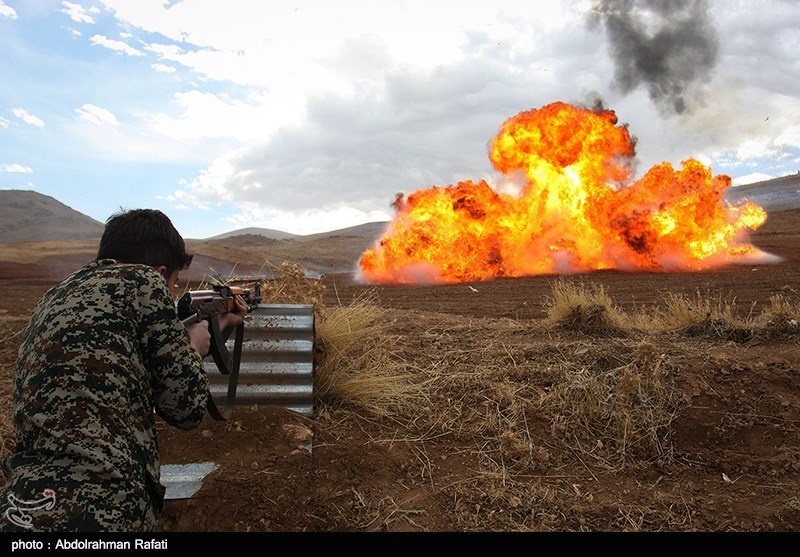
x,y
198,305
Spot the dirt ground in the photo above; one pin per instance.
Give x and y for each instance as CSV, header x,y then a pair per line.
x,y
729,461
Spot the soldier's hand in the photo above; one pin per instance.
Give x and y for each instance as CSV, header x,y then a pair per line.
x,y
228,321
200,337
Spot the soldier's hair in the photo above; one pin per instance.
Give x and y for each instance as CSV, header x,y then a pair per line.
x,y
144,236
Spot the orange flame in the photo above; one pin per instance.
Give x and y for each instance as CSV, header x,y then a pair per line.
x,y
575,213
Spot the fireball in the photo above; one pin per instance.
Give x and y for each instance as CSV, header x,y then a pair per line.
x,y
578,211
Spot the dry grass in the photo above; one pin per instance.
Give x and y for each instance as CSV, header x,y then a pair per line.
x,y
586,309
618,416
781,319
590,310
355,360
292,286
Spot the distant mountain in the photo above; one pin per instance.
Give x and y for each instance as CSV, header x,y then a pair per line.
x,y
373,230
28,216
265,232
368,230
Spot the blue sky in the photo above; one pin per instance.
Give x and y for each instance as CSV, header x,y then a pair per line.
x,y
310,116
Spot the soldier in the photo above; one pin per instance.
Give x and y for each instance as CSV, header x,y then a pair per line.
x,y
103,353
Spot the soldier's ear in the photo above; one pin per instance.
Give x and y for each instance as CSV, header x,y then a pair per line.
x,y
162,270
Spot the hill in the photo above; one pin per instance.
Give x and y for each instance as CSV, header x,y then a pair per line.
x,y
28,216
372,230
776,194
255,231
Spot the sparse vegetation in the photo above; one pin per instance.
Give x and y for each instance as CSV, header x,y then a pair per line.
x,y
591,418
584,308
589,309
356,363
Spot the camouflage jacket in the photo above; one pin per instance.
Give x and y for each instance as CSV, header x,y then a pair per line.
x,y
104,349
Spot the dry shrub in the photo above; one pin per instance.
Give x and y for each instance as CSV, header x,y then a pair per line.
x,y
679,312
701,315
589,309
355,363
780,320
618,416
586,309
292,286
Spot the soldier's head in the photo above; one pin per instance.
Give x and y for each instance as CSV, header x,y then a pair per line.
x,y
144,236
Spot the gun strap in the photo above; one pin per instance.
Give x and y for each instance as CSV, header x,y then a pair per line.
x,y
228,364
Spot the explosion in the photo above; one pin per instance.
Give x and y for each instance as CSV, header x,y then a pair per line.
x,y
577,211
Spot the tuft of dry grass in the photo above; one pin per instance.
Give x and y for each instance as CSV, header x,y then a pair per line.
x,y
584,308
700,315
780,320
355,360
588,309
292,286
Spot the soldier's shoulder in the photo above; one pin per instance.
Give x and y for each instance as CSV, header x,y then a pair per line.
x,y
109,269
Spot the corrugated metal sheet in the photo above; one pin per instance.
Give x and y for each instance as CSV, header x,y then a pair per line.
x,y
277,362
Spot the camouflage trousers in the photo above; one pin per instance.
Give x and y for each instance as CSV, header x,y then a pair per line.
x,y
43,503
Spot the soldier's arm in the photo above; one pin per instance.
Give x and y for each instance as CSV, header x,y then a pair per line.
x,y
177,377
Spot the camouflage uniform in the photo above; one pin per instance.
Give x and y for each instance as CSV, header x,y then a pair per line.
x,y
103,349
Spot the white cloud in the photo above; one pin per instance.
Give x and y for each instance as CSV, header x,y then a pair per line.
x,y
96,115
4,123
266,44
112,44
206,115
344,104
790,137
78,13
134,141
163,68
18,168
303,222
7,11
27,117
353,108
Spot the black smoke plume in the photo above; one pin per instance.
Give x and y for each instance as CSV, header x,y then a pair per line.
x,y
669,46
